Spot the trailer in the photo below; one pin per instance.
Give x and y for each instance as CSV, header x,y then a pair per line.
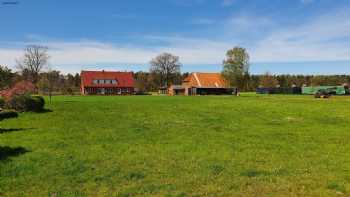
x,y
334,90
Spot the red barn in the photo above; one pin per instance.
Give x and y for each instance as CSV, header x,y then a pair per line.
x,y
106,83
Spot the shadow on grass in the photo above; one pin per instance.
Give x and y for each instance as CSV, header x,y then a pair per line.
x,y
6,152
2,130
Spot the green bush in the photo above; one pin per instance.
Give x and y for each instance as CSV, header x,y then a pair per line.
x,y
36,103
2,102
26,103
16,102
8,114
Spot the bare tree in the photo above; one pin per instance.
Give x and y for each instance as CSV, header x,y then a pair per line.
x,y
35,58
166,66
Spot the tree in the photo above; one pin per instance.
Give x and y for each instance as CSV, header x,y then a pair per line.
x,y
49,81
268,81
141,79
69,81
282,81
77,80
236,67
6,77
35,58
167,66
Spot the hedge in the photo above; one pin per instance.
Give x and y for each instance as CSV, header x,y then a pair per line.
x,y
26,103
280,90
35,103
2,102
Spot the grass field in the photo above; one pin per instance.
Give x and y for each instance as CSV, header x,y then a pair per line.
x,y
179,146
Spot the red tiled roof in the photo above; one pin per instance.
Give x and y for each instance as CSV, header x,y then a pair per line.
x,y
124,79
206,80
187,79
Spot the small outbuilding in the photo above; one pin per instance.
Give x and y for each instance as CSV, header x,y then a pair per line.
x,y
176,90
203,84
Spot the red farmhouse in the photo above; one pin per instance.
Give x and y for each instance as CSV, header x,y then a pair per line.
x,y
106,83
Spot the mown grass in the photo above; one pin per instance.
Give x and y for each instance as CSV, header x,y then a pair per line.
x,y
179,146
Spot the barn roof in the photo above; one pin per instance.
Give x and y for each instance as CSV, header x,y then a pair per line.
x,y
124,79
206,80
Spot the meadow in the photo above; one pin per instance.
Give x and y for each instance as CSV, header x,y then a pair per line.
x,y
252,145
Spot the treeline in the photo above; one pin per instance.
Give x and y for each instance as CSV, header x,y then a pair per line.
x,y
53,81
252,82
268,80
146,81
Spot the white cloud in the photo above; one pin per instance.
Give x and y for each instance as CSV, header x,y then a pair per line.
x,y
196,51
325,38
247,24
7,56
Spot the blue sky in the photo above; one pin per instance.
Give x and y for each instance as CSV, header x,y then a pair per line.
x,y
282,36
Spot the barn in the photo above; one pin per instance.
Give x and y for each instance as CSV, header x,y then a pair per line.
x,y
203,84
107,83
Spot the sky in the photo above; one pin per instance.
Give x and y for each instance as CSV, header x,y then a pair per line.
x,y
281,36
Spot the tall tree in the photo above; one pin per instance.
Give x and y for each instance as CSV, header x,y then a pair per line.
x,y
167,66
236,66
35,58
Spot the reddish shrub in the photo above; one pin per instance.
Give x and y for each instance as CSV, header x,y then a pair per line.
x,y
20,88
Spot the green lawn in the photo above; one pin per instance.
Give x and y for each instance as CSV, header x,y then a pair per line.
x,y
179,146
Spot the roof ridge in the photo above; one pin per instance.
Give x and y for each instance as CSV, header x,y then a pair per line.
x,y
197,79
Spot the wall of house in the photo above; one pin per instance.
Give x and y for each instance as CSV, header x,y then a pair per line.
x,y
108,90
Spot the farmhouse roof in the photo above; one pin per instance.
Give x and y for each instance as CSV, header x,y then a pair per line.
x,y
206,80
124,79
